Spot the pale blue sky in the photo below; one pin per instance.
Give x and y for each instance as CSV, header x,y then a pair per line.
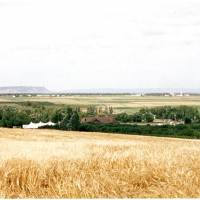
x,y
77,44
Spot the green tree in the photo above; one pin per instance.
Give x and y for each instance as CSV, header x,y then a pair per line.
x,y
188,120
148,117
137,117
74,122
62,113
123,117
12,116
64,123
8,117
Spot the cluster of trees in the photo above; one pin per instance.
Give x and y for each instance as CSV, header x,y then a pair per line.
x,y
188,114
12,116
137,117
184,113
17,115
66,119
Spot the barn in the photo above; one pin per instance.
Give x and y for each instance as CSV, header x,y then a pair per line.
x,y
99,120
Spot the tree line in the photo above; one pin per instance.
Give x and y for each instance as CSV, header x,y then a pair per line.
x,y
188,114
68,118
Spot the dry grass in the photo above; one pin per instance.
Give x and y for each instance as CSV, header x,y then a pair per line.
x,y
43,163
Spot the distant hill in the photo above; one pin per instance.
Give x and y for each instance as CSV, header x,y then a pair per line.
x,y
23,90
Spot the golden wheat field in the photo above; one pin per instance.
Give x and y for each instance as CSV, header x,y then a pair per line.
x,y
56,164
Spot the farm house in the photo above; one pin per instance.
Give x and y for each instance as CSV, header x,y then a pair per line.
x,y
99,120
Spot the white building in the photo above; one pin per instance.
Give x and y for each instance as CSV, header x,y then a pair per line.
x,y
37,125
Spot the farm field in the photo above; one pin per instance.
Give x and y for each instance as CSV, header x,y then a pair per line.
x,y
58,164
120,103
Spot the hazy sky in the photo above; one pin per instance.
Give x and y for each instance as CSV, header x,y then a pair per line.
x,y
71,44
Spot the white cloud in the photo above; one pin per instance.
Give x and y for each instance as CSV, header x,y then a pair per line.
x,y
67,44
